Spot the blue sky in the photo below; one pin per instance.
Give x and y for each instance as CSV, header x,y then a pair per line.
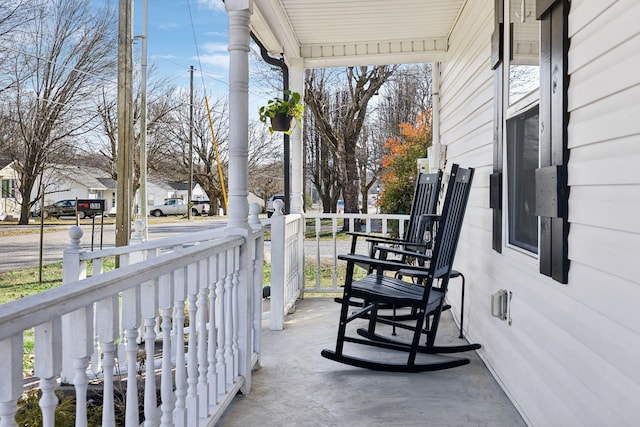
x,y
171,48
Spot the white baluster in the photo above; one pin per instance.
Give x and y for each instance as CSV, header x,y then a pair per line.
x,y
149,311
192,355
203,389
130,324
165,302
107,327
211,352
235,267
220,365
108,363
131,347
80,330
11,350
80,382
179,413
228,322
48,363
149,379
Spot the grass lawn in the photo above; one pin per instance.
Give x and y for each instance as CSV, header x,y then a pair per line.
x,y
19,284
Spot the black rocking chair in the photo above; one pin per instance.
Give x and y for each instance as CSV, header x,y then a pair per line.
x,y
426,298
425,201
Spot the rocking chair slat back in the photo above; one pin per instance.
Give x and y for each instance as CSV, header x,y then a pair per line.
x,y
446,239
425,201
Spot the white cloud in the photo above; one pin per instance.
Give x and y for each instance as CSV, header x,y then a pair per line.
x,y
166,56
213,47
168,26
212,4
215,60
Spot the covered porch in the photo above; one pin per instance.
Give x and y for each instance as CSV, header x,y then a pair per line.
x,y
296,386
565,355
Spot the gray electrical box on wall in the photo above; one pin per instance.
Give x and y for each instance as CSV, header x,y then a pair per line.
x,y
500,304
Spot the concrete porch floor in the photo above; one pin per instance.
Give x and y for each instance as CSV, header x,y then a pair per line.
x,y
296,386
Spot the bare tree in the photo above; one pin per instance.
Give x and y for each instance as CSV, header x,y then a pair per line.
x,y
161,103
206,162
266,180
369,152
14,14
402,98
319,163
67,52
406,94
342,125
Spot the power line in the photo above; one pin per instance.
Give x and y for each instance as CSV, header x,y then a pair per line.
x,y
60,65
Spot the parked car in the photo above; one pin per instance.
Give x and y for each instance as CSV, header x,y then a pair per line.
x,y
270,208
169,207
200,207
86,208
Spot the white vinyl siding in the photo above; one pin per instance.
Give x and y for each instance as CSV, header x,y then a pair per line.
x,y
570,356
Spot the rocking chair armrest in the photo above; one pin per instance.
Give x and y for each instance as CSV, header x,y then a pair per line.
x,y
354,238
379,264
425,224
357,234
421,256
378,238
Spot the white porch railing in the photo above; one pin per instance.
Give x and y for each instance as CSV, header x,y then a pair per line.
x,y
287,265
330,241
292,253
213,279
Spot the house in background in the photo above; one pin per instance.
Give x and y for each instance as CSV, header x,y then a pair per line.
x,y
69,182
181,190
9,204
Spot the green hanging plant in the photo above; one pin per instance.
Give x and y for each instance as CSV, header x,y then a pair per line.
x,y
280,112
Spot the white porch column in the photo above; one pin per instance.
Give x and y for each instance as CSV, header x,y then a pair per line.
x,y
239,12
296,84
435,152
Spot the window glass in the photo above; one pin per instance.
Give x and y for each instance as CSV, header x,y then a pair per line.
x,y
522,161
524,51
8,188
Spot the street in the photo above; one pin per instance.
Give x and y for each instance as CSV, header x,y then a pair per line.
x,y
22,250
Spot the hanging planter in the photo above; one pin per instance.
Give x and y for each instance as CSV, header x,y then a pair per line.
x,y
279,112
281,122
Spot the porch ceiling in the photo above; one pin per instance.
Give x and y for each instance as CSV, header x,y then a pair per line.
x,y
356,32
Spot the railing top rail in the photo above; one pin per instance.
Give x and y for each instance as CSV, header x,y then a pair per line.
x,y
292,217
167,242
356,216
22,314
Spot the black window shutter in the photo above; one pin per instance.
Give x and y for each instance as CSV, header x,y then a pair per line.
x,y
495,182
552,192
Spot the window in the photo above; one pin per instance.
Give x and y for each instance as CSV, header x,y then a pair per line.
x,y
522,136
524,50
522,162
8,188
530,47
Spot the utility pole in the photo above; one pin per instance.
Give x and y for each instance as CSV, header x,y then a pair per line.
x,y
125,122
189,195
143,121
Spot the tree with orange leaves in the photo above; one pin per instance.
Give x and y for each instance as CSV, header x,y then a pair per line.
x,y
399,165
